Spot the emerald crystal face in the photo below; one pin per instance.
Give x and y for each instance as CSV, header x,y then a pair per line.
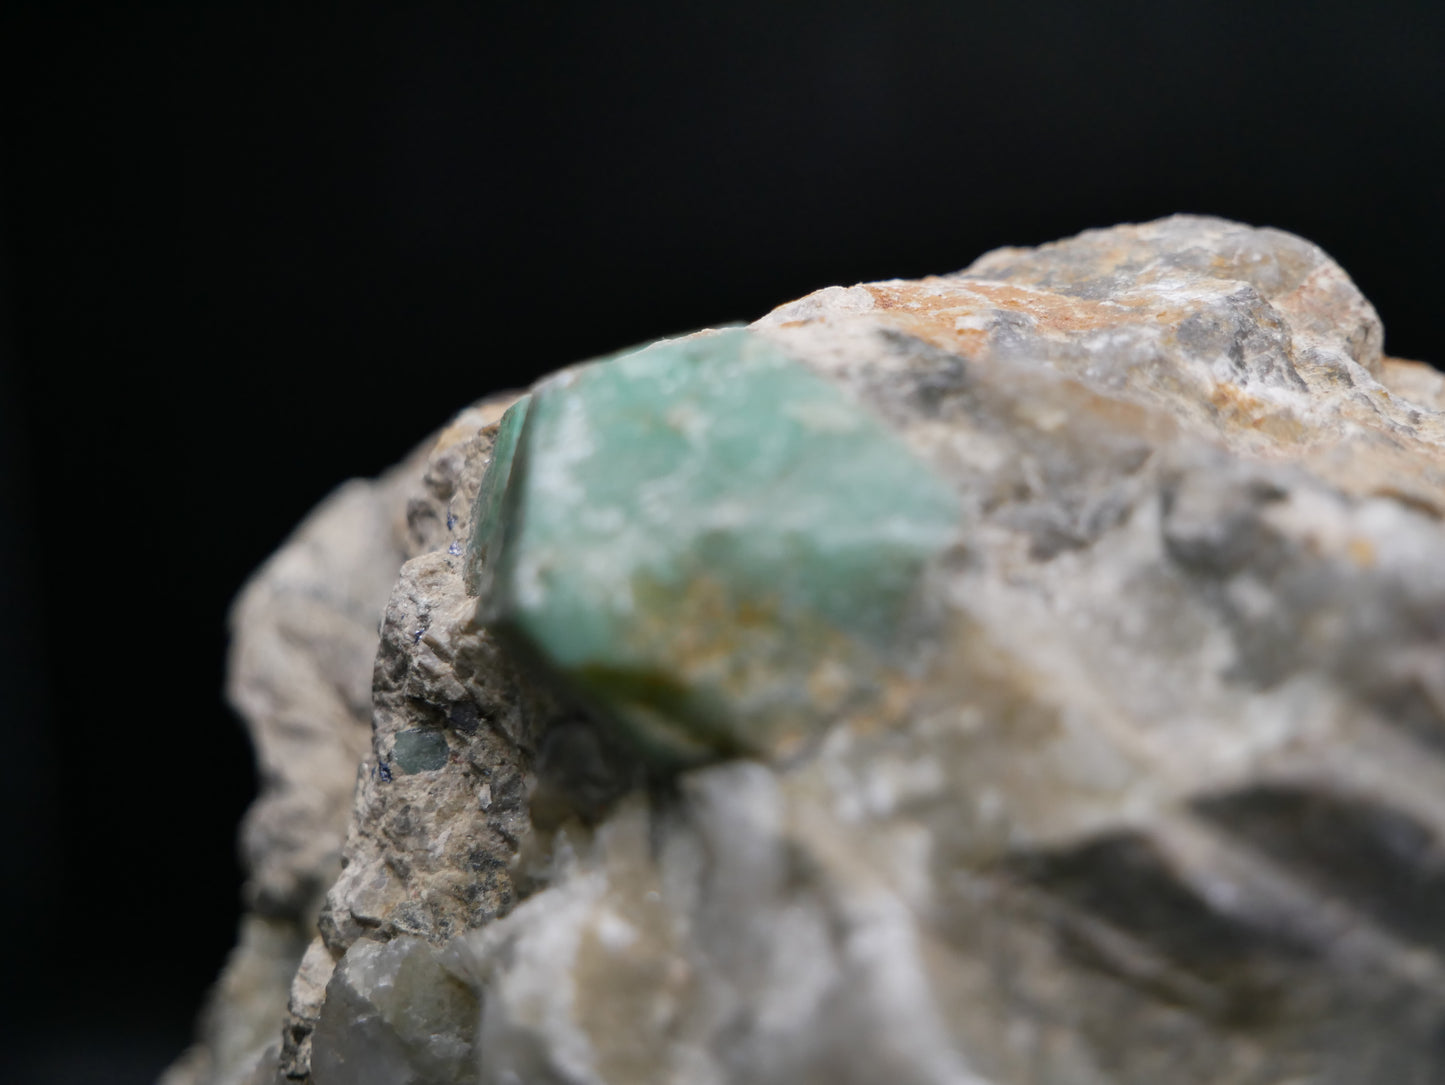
x,y
708,544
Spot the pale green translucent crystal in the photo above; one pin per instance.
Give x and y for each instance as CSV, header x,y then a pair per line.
x,y
708,543
488,514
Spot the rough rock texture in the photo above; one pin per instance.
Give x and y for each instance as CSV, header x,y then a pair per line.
x,y
441,799
1164,801
299,674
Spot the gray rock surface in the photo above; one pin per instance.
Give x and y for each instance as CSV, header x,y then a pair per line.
x,y
1170,808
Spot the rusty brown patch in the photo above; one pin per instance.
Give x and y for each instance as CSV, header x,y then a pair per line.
x,y
933,316
1431,505
1229,399
1362,552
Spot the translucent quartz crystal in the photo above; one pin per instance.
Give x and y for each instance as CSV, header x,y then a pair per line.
x,y
394,1015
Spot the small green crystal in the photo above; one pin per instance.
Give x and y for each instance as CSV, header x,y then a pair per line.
x,y
419,751
487,533
708,543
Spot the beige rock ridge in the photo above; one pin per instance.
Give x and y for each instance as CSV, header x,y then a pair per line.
x,y
1174,811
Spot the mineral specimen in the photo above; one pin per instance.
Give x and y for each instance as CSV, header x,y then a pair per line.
x,y
1028,676
710,544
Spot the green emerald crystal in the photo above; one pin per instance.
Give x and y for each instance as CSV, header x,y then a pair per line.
x,y
707,543
487,519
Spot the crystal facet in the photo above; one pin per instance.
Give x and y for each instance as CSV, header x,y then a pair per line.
x,y
709,543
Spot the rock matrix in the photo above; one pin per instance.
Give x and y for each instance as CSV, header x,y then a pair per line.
x,y
1033,675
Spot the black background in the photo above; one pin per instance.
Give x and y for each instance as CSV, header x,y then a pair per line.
x,y
247,252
